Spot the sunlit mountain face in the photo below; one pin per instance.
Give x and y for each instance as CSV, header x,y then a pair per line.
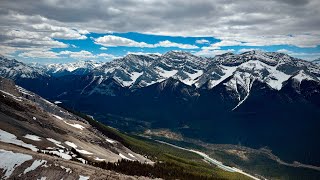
x,y
148,89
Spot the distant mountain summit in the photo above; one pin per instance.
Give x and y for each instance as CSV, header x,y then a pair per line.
x,y
75,68
13,69
316,61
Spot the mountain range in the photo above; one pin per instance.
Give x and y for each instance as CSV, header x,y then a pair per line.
x,y
41,140
256,99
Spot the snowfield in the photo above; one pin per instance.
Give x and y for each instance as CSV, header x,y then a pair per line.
x,y
84,177
110,141
32,137
124,157
57,143
303,76
12,139
78,126
10,160
35,165
71,144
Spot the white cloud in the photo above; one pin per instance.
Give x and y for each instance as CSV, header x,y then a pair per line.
x,y
82,31
212,53
222,43
301,55
247,49
115,41
168,43
79,54
20,32
83,54
202,41
59,32
107,57
271,22
39,54
286,51
103,48
21,38
44,43
143,53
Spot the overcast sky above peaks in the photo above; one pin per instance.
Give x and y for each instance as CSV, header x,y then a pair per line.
x,y
69,30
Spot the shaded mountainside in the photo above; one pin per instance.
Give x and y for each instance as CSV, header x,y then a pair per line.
x,y
30,122
255,99
39,139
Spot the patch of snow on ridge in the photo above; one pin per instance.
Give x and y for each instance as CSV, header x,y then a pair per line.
x,y
248,93
24,91
165,73
276,77
110,141
58,117
135,76
10,161
13,96
227,70
83,177
131,155
61,153
68,170
32,137
124,157
12,139
71,144
78,126
57,143
98,159
275,81
195,75
34,165
83,151
303,76
82,160
192,77
265,73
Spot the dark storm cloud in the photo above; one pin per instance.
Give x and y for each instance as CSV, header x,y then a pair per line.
x,y
127,15
294,2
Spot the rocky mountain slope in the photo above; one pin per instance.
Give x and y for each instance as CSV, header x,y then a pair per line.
x,y
40,140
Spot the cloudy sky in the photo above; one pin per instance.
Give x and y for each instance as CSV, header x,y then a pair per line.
x,y
68,30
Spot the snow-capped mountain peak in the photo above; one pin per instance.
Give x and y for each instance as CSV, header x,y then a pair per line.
x,y
303,75
79,67
11,68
